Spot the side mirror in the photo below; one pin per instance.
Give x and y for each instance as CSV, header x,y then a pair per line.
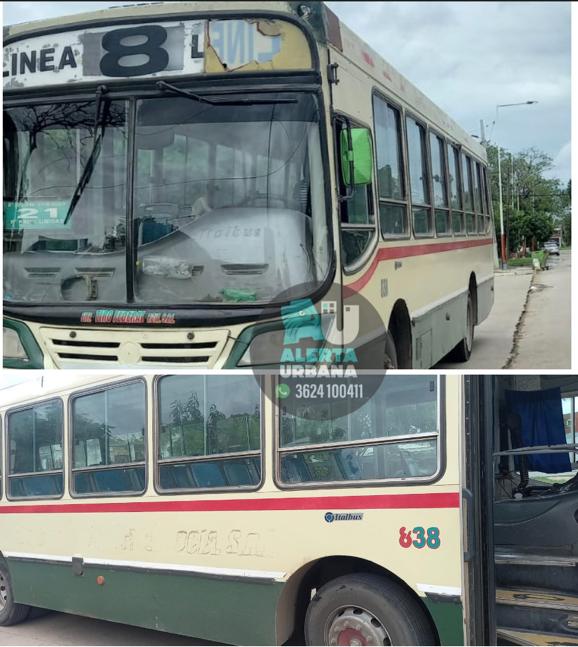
x,y
356,153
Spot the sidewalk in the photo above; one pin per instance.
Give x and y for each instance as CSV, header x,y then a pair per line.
x,y
544,335
494,338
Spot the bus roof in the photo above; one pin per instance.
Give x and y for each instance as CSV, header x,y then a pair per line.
x,y
334,33
43,386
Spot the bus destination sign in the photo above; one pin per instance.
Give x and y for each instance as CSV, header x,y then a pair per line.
x,y
166,49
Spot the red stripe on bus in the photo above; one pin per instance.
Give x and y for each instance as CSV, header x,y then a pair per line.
x,y
366,502
389,253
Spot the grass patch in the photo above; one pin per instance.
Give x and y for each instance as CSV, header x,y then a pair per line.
x,y
528,261
525,261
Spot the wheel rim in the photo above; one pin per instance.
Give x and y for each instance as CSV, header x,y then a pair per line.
x,y
470,324
3,592
355,626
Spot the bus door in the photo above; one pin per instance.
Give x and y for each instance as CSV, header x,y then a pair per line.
x,y
478,586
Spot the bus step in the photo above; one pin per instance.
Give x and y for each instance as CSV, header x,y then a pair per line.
x,y
527,597
535,559
521,637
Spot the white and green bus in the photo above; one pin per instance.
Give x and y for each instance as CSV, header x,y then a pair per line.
x,y
176,173
206,505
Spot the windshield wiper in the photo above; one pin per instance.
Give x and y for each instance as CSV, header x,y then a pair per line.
x,y
222,101
90,165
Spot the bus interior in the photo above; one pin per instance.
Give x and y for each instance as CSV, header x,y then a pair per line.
x,y
534,459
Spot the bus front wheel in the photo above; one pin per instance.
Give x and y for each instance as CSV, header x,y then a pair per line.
x,y
11,613
366,609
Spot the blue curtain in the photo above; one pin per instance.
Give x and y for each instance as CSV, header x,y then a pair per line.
x,y
542,424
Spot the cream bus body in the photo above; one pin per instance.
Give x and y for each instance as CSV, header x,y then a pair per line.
x,y
430,287
235,564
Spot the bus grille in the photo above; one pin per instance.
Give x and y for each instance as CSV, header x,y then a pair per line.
x,y
77,348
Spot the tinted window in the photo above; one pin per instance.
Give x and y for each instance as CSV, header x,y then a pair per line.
x,y
417,162
204,417
108,436
356,208
467,182
402,407
35,461
438,171
455,185
388,146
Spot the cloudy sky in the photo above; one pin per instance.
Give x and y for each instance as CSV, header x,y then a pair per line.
x,y
466,56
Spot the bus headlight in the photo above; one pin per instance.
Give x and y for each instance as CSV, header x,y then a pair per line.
x,y
21,350
263,350
264,345
13,348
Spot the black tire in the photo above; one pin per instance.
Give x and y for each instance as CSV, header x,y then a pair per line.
x,y
375,602
390,358
11,613
463,351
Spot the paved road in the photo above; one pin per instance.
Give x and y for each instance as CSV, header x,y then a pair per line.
x,y
63,629
544,334
529,326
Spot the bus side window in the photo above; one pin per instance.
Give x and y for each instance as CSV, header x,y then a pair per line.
x,y
35,459
356,210
209,433
487,198
455,183
418,178
468,194
108,440
478,202
439,185
394,435
485,209
390,174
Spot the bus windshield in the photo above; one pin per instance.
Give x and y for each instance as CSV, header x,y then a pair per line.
x,y
197,202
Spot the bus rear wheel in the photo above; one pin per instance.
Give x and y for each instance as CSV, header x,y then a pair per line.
x,y
366,609
463,351
11,613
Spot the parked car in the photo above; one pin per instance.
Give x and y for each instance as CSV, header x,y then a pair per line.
x,y
552,247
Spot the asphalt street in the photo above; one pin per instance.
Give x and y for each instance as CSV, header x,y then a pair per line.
x,y
529,325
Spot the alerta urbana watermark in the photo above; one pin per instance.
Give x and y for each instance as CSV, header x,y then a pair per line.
x,y
335,336
313,346
321,351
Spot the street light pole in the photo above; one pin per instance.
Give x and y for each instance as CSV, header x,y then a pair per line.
x,y
501,204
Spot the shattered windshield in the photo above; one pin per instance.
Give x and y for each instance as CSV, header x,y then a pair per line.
x,y
228,201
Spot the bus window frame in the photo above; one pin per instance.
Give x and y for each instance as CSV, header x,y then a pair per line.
x,y
6,453
480,217
101,468
456,152
436,133
388,100
467,156
156,463
485,196
426,153
348,270
441,439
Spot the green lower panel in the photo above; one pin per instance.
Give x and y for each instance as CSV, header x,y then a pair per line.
x,y
222,610
449,620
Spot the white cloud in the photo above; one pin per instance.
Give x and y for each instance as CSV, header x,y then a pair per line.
x,y
466,56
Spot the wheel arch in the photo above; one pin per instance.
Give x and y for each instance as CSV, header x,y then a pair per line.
x,y
399,326
473,289
293,601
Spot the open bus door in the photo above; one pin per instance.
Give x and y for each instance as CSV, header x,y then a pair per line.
x,y
479,589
